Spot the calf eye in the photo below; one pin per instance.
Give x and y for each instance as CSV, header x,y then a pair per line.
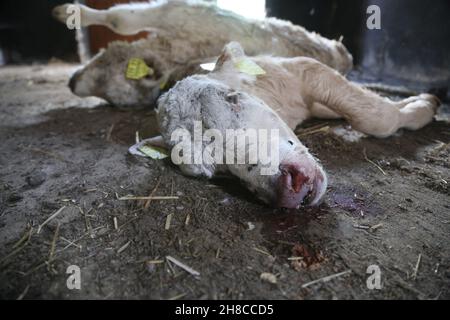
x,y
291,143
232,97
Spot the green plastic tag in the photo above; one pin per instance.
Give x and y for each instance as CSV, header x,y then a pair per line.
x,y
154,152
138,69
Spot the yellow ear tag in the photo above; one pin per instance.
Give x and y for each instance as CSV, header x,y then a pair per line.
x,y
138,69
153,152
249,67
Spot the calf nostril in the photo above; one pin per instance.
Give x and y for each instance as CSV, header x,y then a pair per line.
x,y
283,170
295,177
73,80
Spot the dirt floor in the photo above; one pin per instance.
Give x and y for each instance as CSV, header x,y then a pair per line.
x,y
387,205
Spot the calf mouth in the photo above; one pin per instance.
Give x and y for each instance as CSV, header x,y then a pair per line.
x,y
295,189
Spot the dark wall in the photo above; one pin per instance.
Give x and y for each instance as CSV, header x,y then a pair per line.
x,y
412,47
29,33
330,18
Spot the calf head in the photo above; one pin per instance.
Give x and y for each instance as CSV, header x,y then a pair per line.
x,y
105,76
209,106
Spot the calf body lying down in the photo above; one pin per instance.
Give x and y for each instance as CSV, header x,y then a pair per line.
x,y
183,35
291,91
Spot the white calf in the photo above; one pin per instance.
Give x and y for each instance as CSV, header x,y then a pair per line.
x,y
291,91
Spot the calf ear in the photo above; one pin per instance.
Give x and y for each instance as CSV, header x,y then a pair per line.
x,y
232,52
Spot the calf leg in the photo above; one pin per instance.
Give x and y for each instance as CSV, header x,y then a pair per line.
x,y
320,111
366,111
123,19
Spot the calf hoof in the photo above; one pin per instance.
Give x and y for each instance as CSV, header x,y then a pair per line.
x,y
60,13
419,111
